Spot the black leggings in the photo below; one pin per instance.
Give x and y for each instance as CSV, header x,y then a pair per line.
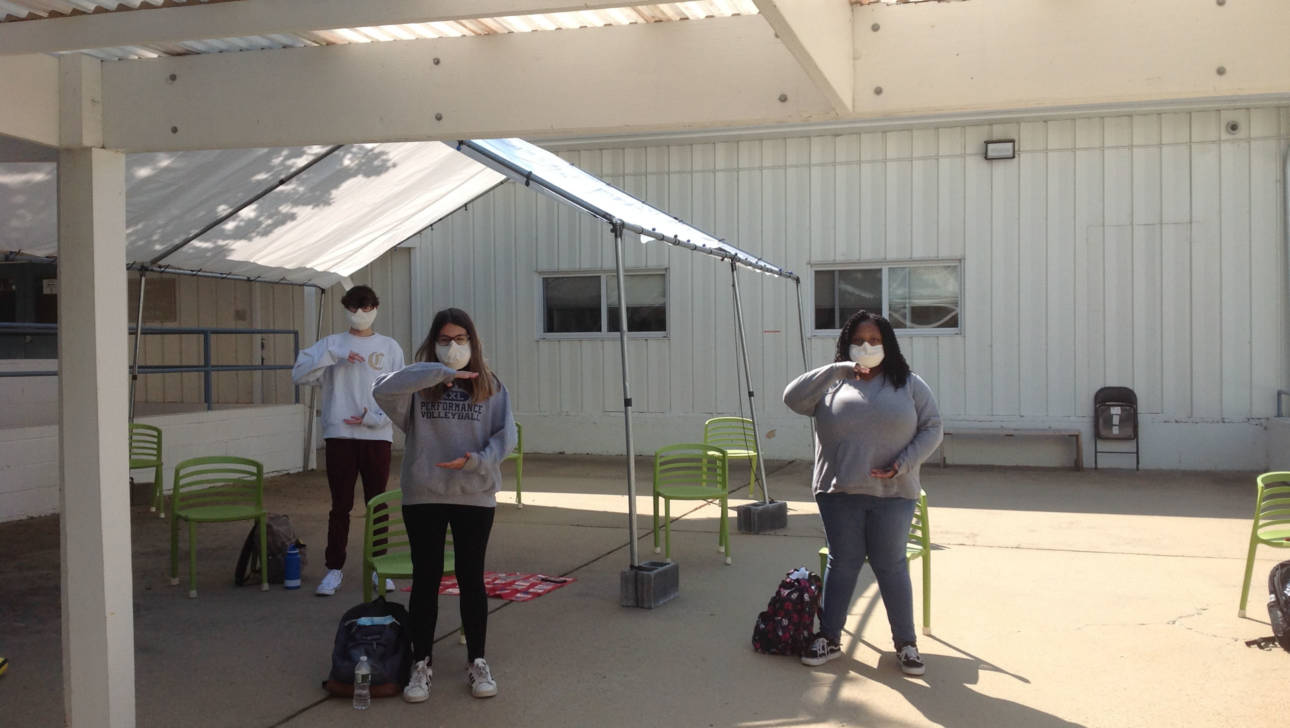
x,y
427,525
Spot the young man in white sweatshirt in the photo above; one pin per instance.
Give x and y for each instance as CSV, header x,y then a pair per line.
x,y
357,431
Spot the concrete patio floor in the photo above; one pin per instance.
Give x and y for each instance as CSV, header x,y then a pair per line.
x,y
1060,598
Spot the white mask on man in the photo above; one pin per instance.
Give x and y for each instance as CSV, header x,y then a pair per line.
x,y
867,355
454,355
361,320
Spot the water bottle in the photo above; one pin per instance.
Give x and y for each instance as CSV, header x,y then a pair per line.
x,y
291,568
362,684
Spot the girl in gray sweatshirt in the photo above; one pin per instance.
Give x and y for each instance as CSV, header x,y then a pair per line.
x,y
875,423
459,426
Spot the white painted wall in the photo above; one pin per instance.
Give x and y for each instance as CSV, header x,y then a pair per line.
x,y
1144,250
271,434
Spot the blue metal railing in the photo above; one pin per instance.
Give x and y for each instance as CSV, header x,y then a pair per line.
x,y
206,368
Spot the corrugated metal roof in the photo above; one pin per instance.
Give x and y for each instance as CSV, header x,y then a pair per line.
x,y
35,10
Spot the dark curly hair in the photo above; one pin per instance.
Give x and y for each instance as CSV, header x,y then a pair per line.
x,y
894,366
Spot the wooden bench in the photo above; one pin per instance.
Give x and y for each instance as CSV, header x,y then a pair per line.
x,y
1016,432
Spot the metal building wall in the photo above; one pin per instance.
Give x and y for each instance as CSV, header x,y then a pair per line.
x,y
1142,250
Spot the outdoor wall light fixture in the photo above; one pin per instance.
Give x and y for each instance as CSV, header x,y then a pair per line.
x,y
1000,149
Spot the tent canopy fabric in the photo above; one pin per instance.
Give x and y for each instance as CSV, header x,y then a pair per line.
x,y
330,220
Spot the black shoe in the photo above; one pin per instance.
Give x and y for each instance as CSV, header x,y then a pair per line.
x,y
911,663
821,651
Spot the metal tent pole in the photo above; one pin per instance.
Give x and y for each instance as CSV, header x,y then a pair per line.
x,y
752,408
627,394
313,391
801,335
138,337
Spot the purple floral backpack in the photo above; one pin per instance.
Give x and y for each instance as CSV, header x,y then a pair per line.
x,y
787,625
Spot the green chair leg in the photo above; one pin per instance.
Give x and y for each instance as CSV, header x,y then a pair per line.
x,y
1249,573
192,560
174,551
667,530
656,549
519,482
725,530
158,492
927,593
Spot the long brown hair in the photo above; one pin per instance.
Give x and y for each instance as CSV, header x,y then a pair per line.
x,y
480,388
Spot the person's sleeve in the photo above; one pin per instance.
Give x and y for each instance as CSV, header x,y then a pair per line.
x,y
503,439
312,362
375,417
393,392
930,427
804,393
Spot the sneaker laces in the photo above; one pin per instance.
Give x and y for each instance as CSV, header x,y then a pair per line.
x,y
820,646
421,674
910,653
479,671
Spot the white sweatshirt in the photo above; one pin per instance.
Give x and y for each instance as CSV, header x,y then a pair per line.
x,y
347,386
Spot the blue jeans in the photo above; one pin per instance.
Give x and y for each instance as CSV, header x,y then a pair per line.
x,y
859,526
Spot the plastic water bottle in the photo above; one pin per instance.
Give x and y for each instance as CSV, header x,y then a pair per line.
x,y
291,568
362,684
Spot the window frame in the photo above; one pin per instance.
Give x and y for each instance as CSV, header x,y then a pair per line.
x,y
885,267
604,333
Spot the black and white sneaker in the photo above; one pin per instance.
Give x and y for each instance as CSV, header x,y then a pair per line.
x,y
911,663
821,651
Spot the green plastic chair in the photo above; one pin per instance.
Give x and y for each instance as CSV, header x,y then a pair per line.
x,y
518,456
918,546
215,490
387,552
145,452
1271,522
737,437
691,471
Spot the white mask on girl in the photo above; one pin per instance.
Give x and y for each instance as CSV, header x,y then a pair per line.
x,y
867,355
361,320
454,355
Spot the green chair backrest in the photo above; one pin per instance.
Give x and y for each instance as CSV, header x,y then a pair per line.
x,y
731,433
519,443
1272,512
145,442
920,531
220,480
395,532
690,464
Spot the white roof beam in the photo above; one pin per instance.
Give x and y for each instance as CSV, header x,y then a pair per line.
x,y
818,34
29,89
709,73
261,17
1016,55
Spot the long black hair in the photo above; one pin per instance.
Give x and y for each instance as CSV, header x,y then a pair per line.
x,y
894,366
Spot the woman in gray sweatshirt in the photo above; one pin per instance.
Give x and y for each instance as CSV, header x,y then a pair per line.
x,y
457,416
875,424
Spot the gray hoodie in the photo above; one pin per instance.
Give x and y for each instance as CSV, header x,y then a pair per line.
x,y
864,425
445,430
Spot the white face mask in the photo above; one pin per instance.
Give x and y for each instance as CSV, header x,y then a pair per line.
x,y
454,355
867,355
361,320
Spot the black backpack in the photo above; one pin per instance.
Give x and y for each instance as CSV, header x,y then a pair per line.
x,y
382,631
788,624
280,535
1278,609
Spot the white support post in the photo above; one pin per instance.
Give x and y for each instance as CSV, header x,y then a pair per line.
x,y
97,591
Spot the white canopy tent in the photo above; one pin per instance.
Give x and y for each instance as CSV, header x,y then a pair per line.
x,y
313,215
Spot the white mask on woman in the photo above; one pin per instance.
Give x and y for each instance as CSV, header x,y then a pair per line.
x,y
454,355
361,320
867,355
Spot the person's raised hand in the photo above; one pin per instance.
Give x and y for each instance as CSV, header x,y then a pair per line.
x,y
457,464
462,374
356,358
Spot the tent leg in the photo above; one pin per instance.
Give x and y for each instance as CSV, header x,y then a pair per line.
x,y
307,459
138,337
743,349
801,335
627,394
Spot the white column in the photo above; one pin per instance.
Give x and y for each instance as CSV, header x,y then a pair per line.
x,y
97,592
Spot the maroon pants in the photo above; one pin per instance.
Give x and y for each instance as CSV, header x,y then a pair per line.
x,y
346,460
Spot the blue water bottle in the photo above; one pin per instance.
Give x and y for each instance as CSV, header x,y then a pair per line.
x,y
291,568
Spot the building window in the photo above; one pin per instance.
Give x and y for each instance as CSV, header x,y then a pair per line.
x,y
586,305
922,297
28,295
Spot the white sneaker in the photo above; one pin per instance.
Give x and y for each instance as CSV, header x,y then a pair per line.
x,y
418,689
480,679
389,584
330,583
